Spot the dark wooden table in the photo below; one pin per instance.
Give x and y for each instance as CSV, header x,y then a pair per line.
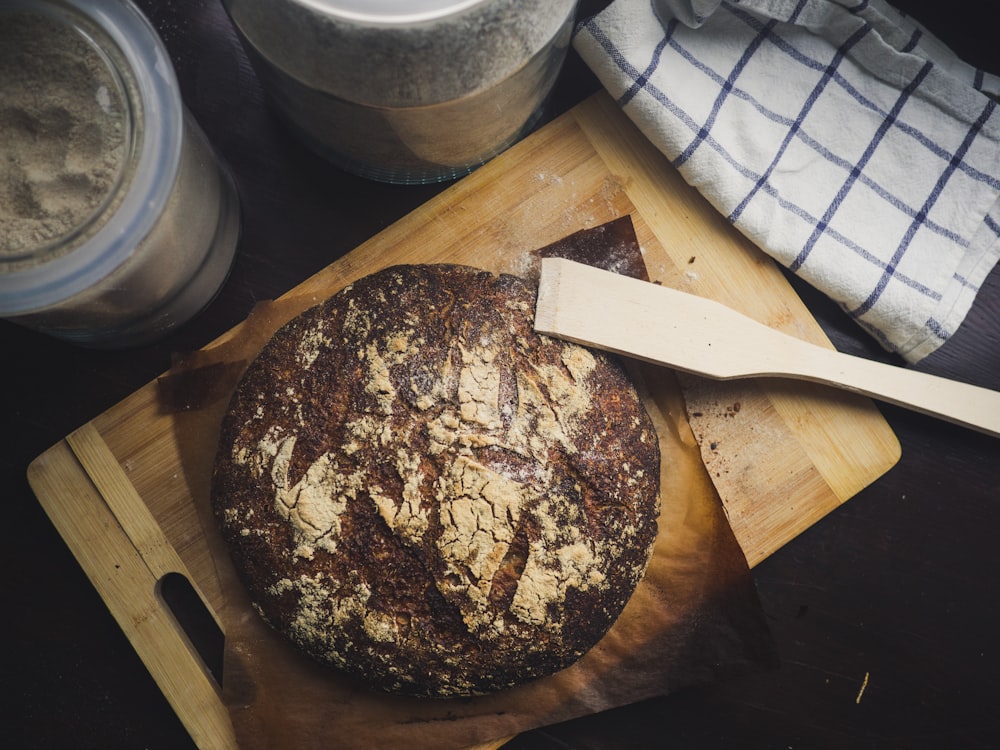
x,y
896,588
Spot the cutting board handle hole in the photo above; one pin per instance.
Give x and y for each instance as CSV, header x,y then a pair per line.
x,y
195,620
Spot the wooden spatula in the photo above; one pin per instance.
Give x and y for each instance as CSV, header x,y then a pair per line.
x,y
669,327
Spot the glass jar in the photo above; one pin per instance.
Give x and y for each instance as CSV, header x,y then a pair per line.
x,y
406,91
120,223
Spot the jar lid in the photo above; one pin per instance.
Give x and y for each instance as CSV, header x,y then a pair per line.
x,y
392,11
152,114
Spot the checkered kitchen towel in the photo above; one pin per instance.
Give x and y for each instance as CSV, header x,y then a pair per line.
x,y
838,135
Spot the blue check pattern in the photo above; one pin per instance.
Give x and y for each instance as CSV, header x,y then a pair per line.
x,y
840,136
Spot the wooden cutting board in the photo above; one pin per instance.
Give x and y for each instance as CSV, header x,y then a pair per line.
x,y
782,455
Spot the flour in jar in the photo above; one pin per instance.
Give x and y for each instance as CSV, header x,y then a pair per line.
x,y
407,92
63,132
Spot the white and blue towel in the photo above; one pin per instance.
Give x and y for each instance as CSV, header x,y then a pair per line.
x,y
838,135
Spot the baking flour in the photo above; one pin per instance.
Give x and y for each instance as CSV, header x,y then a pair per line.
x,y
63,137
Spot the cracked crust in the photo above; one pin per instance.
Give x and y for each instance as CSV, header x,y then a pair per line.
x,y
419,490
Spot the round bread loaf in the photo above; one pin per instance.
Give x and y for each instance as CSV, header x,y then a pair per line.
x,y
419,490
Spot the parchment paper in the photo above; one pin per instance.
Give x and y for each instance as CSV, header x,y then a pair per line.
x,y
694,618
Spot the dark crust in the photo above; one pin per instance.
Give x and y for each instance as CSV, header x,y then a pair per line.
x,y
594,490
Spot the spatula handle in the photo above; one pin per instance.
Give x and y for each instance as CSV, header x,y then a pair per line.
x,y
950,400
